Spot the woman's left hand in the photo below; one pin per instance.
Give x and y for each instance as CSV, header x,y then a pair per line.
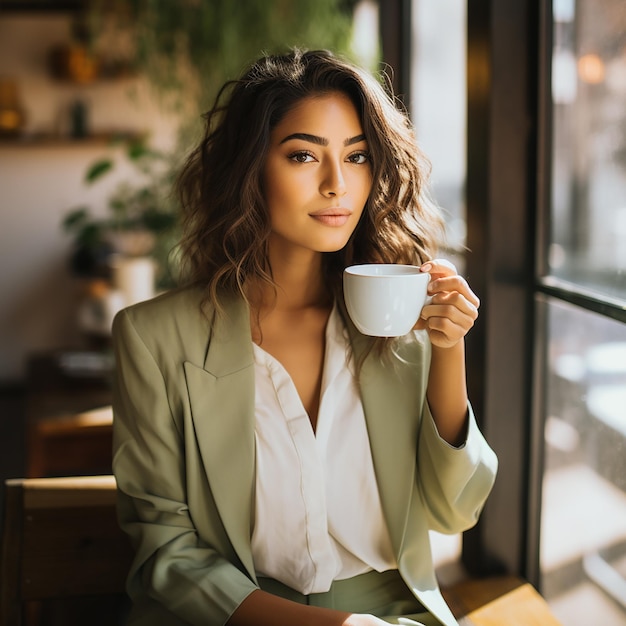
x,y
454,306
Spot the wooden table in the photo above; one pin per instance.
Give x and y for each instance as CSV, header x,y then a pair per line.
x,y
499,601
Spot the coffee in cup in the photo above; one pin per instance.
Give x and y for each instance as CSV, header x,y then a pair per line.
x,y
385,300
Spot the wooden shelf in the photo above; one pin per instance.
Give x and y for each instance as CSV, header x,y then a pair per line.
x,y
25,6
56,141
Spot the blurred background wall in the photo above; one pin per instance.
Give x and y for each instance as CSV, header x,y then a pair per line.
x,y
42,178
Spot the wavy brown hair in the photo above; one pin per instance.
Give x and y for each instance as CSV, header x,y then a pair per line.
x,y
225,219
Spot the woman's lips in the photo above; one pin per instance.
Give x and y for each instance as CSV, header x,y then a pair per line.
x,y
332,217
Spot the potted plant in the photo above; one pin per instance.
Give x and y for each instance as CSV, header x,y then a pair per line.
x,y
141,222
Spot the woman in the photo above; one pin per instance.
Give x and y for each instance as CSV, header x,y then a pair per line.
x,y
274,466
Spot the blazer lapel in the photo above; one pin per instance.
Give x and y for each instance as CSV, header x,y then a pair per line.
x,y
221,396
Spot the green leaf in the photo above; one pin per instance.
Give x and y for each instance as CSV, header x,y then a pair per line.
x,y
137,150
90,235
75,219
117,205
98,169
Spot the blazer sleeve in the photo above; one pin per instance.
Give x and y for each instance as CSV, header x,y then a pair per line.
x,y
176,577
455,482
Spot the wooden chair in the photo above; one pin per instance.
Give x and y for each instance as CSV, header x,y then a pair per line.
x,y
64,558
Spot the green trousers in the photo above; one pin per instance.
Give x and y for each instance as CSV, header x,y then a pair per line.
x,y
384,595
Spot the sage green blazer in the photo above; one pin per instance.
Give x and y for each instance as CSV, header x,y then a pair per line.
x,y
184,460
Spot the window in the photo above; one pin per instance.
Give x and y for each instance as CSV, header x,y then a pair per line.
x,y
588,208
583,512
438,106
544,206
583,528
545,196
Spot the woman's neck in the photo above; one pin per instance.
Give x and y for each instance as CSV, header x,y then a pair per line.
x,y
299,285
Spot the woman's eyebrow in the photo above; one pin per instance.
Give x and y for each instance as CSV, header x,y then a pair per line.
x,y
321,141
353,140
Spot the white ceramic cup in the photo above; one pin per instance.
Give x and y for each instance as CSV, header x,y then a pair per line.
x,y
385,300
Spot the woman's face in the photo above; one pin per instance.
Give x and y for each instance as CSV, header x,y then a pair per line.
x,y
317,175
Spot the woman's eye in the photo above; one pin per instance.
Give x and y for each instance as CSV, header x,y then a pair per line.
x,y
359,158
301,157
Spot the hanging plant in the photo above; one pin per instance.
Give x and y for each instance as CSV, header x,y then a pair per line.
x,y
189,48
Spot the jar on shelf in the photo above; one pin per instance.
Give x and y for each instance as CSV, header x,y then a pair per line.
x,y
12,114
74,62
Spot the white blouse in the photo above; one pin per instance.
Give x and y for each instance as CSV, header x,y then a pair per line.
x,y
318,515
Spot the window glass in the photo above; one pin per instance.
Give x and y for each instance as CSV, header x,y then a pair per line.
x,y
588,220
438,106
583,530
365,34
583,516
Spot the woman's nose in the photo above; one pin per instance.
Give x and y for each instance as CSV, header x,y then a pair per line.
x,y
333,182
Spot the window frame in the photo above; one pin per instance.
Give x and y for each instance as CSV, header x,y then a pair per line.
x,y
503,188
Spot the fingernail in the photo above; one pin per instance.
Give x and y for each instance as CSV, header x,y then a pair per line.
x,y
426,267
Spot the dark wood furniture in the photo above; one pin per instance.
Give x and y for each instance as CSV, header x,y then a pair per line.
x,y
64,558
71,445
68,415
